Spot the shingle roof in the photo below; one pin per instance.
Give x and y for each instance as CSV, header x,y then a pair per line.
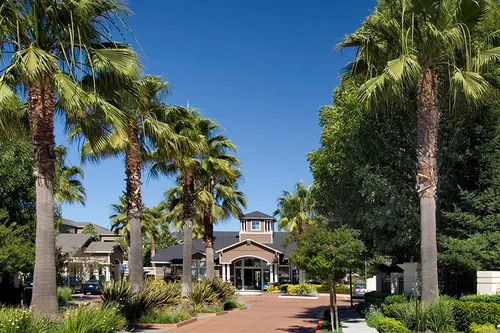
x,y
257,215
71,243
100,230
222,239
107,247
69,222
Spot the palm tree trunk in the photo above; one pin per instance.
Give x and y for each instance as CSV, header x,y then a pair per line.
x,y
134,206
427,179
153,246
41,119
187,220
208,239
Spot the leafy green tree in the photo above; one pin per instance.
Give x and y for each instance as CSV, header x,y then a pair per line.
x,y
364,172
328,254
90,230
402,47
48,46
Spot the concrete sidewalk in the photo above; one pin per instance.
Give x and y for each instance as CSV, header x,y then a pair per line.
x,y
352,322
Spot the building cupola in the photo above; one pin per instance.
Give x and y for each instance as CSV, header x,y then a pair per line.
x,y
257,226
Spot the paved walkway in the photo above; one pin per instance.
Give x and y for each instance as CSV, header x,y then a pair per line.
x,y
267,313
352,322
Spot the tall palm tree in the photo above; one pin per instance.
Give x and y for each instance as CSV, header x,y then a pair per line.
x,y
296,211
219,196
47,47
182,160
68,187
153,220
418,46
146,127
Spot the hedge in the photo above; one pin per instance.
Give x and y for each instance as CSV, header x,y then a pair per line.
x,y
481,298
467,313
391,325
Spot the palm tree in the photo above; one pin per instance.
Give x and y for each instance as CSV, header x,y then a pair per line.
x,y
296,212
402,47
68,188
182,160
153,220
219,196
145,128
47,46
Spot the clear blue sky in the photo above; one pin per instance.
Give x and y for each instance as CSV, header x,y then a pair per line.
x,y
259,68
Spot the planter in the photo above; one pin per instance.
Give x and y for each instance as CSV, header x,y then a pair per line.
x,y
236,309
160,326
210,314
298,296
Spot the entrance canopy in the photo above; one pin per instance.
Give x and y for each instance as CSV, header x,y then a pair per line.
x,y
248,248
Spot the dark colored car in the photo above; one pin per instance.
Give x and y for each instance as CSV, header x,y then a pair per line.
x,y
93,287
29,282
73,282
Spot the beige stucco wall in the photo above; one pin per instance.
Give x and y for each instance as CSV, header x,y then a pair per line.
x,y
258,237
245,250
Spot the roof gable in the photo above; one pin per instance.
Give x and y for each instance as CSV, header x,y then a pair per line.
x,y
101,247
228,248
257,215
72,243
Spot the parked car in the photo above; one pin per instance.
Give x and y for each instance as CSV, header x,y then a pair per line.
x,y
93,287
74,283
359,290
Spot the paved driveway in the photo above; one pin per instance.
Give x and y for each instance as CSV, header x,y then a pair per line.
x,y
267,313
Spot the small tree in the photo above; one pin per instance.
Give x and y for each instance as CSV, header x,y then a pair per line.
x,y
89,229
327,255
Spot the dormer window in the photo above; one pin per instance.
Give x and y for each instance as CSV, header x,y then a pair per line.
x,y
255,225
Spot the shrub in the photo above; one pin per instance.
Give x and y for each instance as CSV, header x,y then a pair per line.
x,y
376,298
202,295
116,292
481,298
233,304
94,319
301,289
283,288
438,316
21,320
133,306
485,328
391,325
396,299
209,309
271,289
467,313
63,294
409,313
373,317
164,316
224,290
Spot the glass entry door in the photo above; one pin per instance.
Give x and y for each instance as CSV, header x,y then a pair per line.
x,y
250,274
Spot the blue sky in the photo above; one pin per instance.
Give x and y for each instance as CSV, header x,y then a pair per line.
x,y
259,68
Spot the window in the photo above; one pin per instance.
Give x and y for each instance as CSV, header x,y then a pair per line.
x,y
255,225
198,270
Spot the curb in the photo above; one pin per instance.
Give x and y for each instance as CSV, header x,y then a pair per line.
x,y
318,328
162,326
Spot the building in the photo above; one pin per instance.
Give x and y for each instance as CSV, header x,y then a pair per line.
x,y
87,256
250,258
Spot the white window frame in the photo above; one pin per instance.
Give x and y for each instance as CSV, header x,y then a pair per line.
x,y
254,229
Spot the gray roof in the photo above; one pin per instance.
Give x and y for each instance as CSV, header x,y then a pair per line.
x,y
223,239
71,243
100,230
107,247
257,215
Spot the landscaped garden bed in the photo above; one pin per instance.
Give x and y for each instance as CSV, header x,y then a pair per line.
x,y
301,291
402,314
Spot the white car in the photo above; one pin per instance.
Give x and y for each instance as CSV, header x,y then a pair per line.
x,y
359,290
